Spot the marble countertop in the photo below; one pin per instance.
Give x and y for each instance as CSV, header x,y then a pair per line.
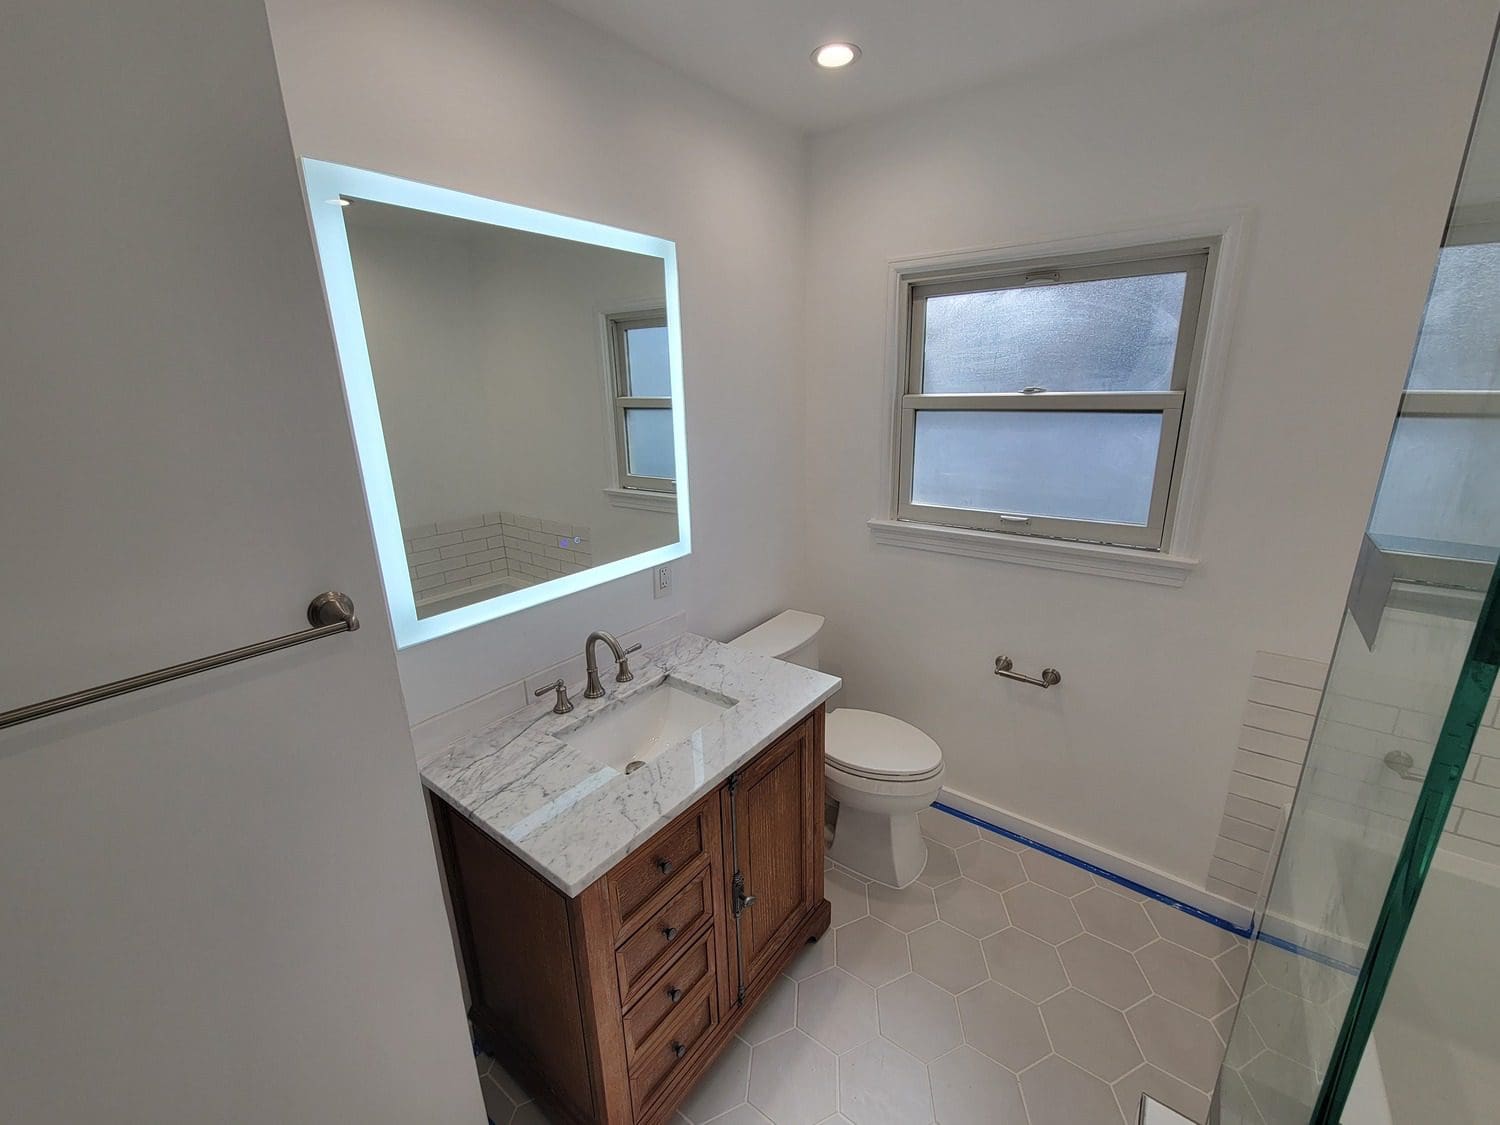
x,y
572,818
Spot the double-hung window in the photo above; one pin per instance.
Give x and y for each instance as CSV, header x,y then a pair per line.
x,y
1051,398
641,398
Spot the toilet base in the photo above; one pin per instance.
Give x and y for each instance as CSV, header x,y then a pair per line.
x,y
878,845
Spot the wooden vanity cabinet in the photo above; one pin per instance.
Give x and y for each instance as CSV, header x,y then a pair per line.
x,y
610,1006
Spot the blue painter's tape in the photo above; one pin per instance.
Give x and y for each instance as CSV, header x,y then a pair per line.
x,y
1310,954
1166,900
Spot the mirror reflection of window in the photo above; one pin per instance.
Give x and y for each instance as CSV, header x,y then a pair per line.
x,y
641,385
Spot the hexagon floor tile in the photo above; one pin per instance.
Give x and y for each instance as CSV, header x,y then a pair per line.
x,y
919,1017
837,1009
1006,987
947,957
873,951
972,907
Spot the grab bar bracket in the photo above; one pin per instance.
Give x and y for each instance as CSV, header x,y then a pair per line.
x,y
1050,677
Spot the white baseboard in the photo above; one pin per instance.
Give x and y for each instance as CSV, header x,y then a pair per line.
x,y
1149,877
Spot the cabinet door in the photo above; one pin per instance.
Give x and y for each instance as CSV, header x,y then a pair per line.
x,y
776,816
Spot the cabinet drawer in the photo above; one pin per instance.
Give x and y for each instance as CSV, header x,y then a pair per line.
x,y
669,930
676,1045
666,995
640,876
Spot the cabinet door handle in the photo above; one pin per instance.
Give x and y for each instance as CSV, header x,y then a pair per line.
x,y
669,932
674,994
664,866
679,1049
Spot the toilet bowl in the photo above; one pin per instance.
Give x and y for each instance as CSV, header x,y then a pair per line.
x,y
880,770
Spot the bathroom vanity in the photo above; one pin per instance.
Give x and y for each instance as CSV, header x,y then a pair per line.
x,y
628,879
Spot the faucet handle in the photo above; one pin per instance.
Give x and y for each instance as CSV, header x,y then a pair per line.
x,y
623,674
563,704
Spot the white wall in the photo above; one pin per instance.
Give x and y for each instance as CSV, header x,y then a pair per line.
x,y
219,897
1338,127
521,102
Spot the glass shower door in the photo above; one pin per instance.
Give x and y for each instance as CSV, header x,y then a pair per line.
x,y
1411,677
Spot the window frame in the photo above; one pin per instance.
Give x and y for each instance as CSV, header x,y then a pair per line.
x,y
1471,226
1197,257
620,399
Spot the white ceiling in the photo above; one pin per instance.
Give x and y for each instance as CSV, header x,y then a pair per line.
x,y
757,51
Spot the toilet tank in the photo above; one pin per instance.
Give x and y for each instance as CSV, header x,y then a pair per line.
x,y
791,636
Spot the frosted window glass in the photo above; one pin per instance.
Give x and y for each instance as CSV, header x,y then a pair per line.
x,y
1459,348
1118,334
648,439
1440,481
646,356
1065,464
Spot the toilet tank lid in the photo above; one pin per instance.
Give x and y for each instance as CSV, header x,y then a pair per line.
x,y
786,632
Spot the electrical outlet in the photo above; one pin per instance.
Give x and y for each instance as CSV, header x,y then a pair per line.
x,y
661,581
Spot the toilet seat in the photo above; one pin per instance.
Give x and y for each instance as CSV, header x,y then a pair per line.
x,y
876,747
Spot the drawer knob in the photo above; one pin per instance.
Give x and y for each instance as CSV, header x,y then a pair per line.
x,y
669,932
674,994
664,866
679,1049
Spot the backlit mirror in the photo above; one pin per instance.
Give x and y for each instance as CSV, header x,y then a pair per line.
x,y
515,383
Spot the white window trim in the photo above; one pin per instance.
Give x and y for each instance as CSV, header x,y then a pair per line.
x,y
641,500
1177,556
618,402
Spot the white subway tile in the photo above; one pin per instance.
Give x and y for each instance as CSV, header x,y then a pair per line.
x,y
1289,696
1258,789
1486,769
1418,725
1278,720
1234,874
1282,746
433,542
1255,812
1474,849
1481,798
1242,855
1231,892
1290,670
1487,742
1480,826
1361,713
1265,766
1244,832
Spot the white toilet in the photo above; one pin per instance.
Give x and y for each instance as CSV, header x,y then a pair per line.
x,y
881,771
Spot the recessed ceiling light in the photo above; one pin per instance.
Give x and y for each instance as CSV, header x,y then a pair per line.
x,y
832,56
339,202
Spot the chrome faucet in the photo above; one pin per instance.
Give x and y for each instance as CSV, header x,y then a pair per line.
x,y
623,674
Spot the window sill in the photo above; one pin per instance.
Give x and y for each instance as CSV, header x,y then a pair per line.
x,y
1054,554
641,500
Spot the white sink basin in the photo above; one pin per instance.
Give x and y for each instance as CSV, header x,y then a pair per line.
x,y
635,732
